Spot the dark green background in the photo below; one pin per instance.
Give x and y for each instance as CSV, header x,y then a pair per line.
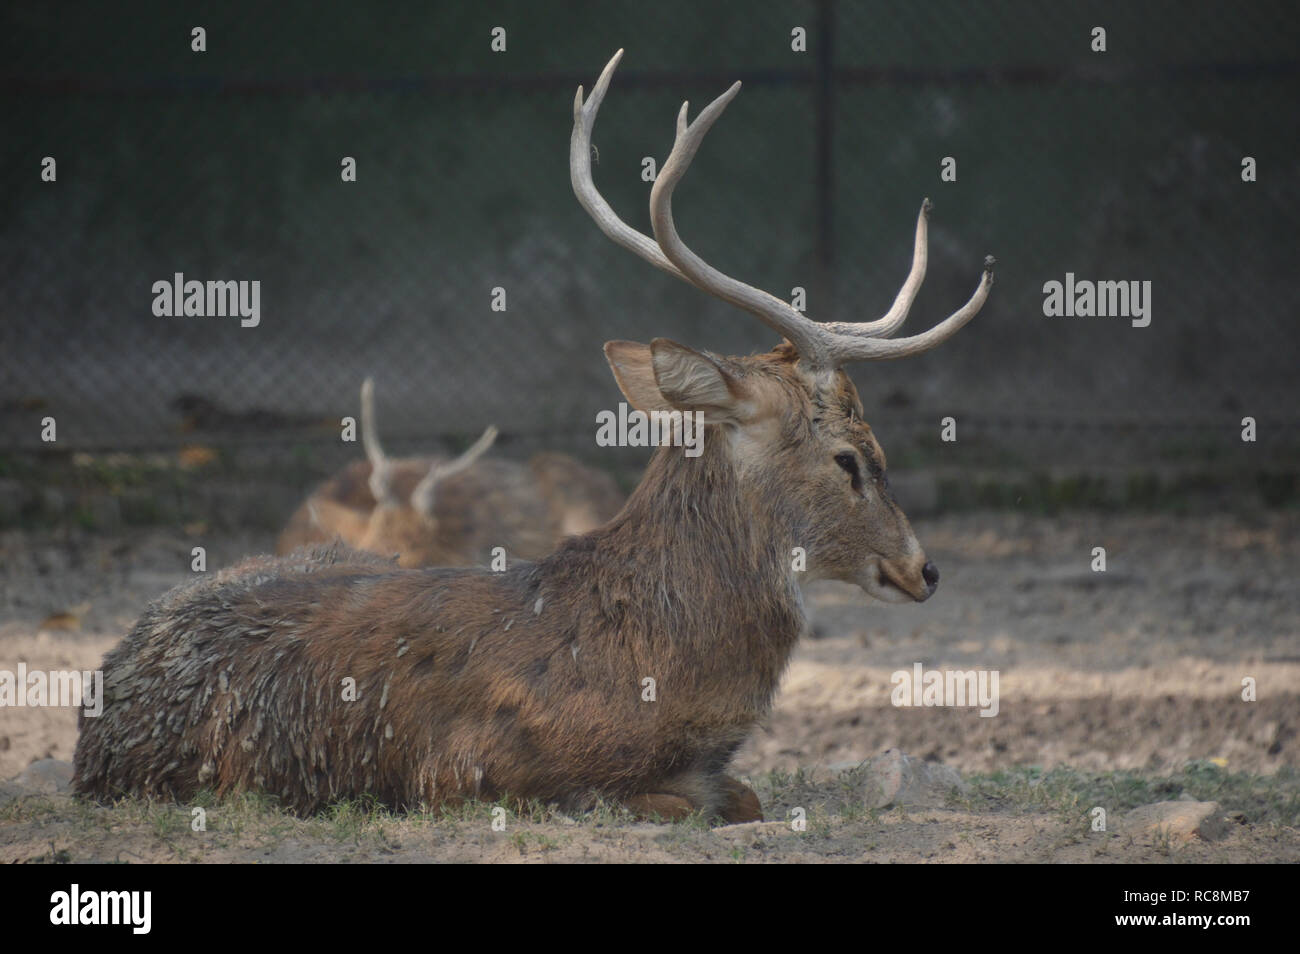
x,y
1123,165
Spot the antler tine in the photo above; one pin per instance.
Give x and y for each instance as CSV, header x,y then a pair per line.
x,y
809,340
369,434
893,319
853,346
422,497
820,346
584,119
380,468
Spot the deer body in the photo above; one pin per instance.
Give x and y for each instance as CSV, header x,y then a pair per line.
x,y
438,512
469,683
534,682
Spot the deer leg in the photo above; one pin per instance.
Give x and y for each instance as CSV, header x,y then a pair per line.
x,y
727,800
659,806
739,803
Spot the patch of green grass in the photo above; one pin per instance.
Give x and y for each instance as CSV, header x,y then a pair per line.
x,y
29,808
1262,799
821,822
694,822
243,811
354,819
606,813
168,821
526,841
840,797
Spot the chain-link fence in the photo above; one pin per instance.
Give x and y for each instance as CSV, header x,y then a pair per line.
x,y
1123,165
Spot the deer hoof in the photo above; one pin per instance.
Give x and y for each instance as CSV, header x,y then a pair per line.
x,y
739,803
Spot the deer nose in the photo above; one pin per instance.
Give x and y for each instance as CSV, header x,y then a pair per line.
x,y
930,573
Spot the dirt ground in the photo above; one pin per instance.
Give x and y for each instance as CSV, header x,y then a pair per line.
x,y
1117,689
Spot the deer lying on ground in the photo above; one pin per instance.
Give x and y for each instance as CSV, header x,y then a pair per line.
x,y
434,512
340,508
529,683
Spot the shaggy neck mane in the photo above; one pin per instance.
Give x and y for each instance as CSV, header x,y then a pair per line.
x,y
692,570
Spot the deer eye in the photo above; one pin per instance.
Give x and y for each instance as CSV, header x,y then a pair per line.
x,y
849,463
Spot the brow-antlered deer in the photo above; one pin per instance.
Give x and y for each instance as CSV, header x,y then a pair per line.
x,y
438,512
341,507
529,683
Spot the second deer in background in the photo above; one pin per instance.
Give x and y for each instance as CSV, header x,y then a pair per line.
x,y
430,511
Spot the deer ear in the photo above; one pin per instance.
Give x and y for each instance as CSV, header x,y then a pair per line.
x,y
667,376
692,381
633,369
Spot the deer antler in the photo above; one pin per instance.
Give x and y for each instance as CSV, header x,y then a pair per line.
x,y
820,345
381,469
584,119
422,497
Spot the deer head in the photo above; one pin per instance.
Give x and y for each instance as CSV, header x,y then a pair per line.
x,y
407,526
792,420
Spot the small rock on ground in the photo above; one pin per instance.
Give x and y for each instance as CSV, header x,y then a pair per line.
x,y
894,778
1180,821
46,777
